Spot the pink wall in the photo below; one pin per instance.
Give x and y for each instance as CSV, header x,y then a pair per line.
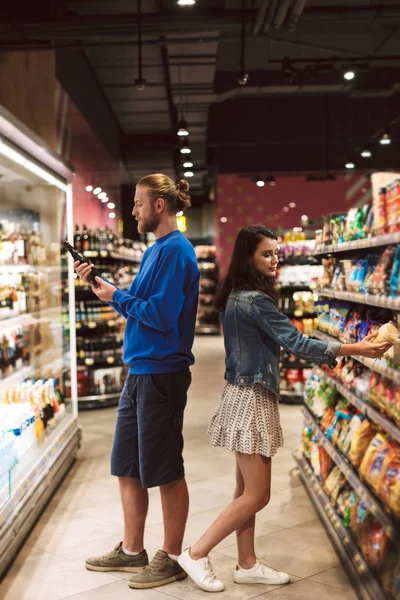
x,y
243,203
92,164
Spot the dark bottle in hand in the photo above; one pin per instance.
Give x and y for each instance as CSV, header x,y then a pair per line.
x,y
78,256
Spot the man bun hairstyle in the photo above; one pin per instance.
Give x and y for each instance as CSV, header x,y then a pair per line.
x,y
183,200
162,186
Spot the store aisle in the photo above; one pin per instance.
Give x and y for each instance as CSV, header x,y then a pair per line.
x,y
84,518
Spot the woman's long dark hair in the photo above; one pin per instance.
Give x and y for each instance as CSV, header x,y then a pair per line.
x,y
241,273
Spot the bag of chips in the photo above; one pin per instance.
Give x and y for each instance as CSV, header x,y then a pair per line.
x,y
379,283
334,483
361,440
325,463
372,463
389,482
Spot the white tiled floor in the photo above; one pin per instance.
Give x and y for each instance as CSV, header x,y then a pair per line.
x,y
84,517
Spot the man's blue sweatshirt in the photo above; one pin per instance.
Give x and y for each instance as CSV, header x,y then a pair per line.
x,y
160,308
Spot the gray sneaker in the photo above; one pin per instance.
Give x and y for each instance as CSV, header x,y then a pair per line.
x,y
117,560
160,571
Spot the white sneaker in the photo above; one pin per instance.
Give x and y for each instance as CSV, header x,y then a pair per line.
x,y
201,571
260,573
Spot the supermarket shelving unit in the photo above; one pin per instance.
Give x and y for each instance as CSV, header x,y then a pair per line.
x,y
39,471
366,584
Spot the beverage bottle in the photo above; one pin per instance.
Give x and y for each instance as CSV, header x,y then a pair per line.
x,y
77,239
78,256
85,239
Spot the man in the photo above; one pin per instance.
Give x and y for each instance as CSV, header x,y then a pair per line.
x,y
160,309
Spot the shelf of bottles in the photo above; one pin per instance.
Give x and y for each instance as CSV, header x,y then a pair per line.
x,y
298,275
207,315
99,329
39,433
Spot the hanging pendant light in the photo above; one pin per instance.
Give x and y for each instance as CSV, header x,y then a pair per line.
x,y
182,128
140,82
185,148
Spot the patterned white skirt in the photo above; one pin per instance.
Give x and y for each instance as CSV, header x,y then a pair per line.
x,y
247,420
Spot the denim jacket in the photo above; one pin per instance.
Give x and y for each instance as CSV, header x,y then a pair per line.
x,y
254,331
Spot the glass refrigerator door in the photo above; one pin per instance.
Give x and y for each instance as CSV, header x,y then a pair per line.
x,y
35,357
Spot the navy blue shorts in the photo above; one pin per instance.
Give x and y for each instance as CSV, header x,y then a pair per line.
x,y
148,439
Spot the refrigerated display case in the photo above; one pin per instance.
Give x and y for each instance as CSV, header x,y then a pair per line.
x,y
39,433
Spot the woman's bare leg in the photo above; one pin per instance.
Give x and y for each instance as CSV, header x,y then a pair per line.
x,y
256,473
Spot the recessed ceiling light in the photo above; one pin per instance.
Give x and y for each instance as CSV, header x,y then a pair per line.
x,y
111,205
349,74
112,215
260,182
89,188
97,191
223,220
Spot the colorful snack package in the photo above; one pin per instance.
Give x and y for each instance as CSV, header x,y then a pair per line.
x,y
361,440
374,459
314,455
325,463
346,438
344,502
389,482
374,381
334,483
394,277
377,546
380,278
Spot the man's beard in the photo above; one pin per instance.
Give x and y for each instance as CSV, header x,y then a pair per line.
x,y
150,224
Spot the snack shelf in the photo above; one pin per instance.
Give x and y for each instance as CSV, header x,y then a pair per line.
x,y
368,588
375,364
369,299
367,410
371,502
365,243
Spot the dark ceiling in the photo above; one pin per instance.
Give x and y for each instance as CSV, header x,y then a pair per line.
x,y
296,114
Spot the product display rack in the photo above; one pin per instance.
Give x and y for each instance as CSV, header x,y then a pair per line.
x,y
207,321
360,575
371,502
364,580
295,254
100,335
35,188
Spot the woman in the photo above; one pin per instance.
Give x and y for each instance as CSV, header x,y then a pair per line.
x,y
247,418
